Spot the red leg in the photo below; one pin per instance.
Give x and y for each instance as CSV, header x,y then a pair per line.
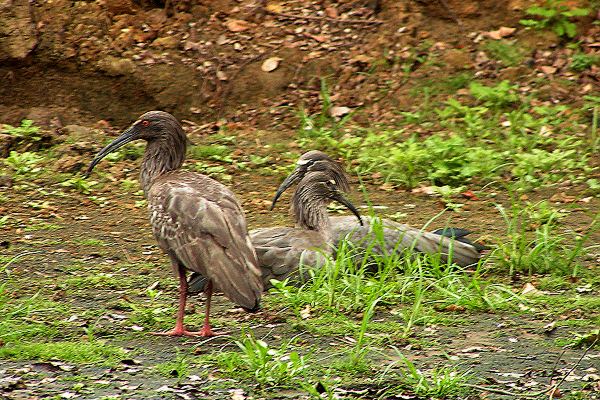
x,y
206,331
179,329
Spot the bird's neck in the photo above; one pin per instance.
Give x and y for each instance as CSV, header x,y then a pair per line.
x,y
161,156
311,214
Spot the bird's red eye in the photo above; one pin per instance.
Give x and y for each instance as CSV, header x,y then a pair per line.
x,y
145,122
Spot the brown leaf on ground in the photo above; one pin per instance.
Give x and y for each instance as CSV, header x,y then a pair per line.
x,y
237,25
548,69
271,64
529,289
331,12
498,34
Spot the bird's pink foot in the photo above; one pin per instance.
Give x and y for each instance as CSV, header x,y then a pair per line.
x,y
179,332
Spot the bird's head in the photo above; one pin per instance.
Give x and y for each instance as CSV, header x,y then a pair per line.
x,y
318,189
151,126
314,161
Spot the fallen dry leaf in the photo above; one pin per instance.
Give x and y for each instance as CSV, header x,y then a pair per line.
x,y
237,25
530,289
548,69
305,313
498,34
274,7
270,64
339,111
331,12
470,195
425,190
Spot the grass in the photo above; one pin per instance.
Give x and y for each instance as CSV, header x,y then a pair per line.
x,y
76,352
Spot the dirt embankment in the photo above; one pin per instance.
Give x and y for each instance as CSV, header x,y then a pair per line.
x,y
113,59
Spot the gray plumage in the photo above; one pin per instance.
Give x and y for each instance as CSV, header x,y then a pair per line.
x,y
197,221
396,237
281,250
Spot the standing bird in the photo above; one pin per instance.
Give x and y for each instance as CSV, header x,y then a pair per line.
x,y
282,250
196,220
450,243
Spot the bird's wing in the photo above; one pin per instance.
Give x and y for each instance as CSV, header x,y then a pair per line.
x,y
281,251
393,237
200,222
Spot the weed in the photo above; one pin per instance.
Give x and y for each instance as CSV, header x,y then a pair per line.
x,y
213,152
76,352
582,61
79,184
23,163
438,383
177,368
321,125
27,131
266,365
545,250
500,95
506,52
555,15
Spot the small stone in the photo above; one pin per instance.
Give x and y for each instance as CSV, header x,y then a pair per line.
x,y
114,66
6,143
168,42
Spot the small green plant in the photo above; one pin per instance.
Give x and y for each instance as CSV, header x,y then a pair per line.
x,y
582,61
440,383
23,163
537,246
27,131
555,15
267,365
495,96
215,152
177,368
507,52
79,184
321,125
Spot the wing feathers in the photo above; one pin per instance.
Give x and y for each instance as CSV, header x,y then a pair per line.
x,y
200,221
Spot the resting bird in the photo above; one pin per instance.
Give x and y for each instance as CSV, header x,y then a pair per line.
x,y
449,242
281,250
197,221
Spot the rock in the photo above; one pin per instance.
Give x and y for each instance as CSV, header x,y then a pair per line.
x,y
114,66
45,118
17,32
70,164
117,7
457,59
513,74
80,140
6,181
168,42
6,144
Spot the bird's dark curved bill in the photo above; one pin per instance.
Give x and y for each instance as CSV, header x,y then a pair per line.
x,y
289,181
342,200
126,137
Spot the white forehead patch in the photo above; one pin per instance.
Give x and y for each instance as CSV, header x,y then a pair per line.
x,y
303,162
332,181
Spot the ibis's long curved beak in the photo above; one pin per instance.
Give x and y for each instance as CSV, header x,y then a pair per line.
x,y
289,181
339,197
127,136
